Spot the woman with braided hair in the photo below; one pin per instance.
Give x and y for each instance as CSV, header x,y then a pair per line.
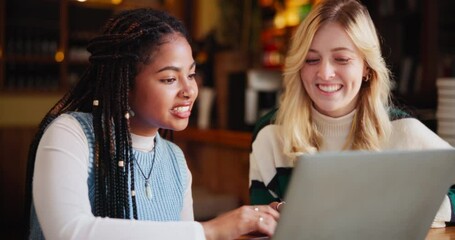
x,y
98,162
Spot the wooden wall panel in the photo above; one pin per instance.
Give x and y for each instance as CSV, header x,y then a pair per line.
x,y
218,160
14,142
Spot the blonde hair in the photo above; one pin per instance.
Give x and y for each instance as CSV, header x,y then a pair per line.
x,y
371,123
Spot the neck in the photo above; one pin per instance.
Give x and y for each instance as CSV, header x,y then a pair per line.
x,y
334,131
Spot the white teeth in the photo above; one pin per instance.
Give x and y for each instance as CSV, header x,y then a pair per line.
x,y
330,88
181,109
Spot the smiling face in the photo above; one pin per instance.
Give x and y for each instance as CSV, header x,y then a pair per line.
x,y
332,71
165,89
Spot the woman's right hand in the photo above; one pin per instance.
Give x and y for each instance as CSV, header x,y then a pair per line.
x,y
277,205
243,220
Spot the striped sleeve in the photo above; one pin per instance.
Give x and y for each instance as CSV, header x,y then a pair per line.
x,y
270,170
451,195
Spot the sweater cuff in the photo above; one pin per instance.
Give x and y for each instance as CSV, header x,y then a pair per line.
x,y
199,231
444,213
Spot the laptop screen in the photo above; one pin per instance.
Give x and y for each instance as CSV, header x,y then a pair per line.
x,y
366,195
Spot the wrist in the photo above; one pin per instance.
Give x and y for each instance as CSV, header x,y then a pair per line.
x,y
208,231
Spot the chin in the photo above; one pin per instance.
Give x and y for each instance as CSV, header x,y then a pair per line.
x,y
179,127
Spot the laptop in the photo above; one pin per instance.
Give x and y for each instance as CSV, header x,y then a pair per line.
x,y
366,195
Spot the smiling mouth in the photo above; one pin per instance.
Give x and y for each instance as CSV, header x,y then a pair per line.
x,y
329,88
181,109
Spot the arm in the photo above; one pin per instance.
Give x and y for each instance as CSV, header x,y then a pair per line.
x,y
60,194
451,198
259,193
410,134
187,211
270,170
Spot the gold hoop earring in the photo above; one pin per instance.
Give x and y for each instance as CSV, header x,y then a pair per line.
x,y
367,77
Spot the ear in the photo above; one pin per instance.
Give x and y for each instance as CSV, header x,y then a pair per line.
x,y
366,69
366,73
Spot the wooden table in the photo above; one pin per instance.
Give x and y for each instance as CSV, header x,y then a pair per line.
x,y
441,233
433,234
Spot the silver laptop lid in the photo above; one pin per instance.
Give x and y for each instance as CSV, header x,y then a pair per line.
x,y
366,195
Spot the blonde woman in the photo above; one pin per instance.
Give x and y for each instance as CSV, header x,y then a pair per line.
x,y
336,97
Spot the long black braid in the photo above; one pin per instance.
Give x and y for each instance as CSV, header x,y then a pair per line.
x,y
127,40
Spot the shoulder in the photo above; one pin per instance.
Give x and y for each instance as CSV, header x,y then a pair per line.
x,y
171,147
409,125
396,113
178,159
65,135
65,123
270,133
80,115
268,147
85,121
410,133
264,121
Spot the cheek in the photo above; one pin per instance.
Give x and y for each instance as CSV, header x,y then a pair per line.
x,y
196,91
143,94
305,78
356,79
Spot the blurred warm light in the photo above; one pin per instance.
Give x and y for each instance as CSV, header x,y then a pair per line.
x,y
288,18
292,13
59,56
266,3
297,3
279,20
292,17
115,2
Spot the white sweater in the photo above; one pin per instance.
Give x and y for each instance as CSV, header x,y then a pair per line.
x,y
407,134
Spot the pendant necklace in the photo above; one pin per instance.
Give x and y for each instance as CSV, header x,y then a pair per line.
x,y
148,188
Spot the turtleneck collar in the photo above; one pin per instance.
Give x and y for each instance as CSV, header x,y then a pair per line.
x,y
143,143
329,126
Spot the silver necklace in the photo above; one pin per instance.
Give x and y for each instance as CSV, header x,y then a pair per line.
x,y
148,188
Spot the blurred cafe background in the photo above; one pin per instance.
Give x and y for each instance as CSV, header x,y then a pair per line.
x,y
239,46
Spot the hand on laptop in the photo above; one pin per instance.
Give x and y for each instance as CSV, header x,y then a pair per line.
x,y
246,219
277,205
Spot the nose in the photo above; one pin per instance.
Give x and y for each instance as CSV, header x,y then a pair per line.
x,y
188,89
326,70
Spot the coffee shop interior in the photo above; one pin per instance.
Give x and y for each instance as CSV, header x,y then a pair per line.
x,y
239,47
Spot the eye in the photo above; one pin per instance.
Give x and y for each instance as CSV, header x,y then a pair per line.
x,y
192,76
168,80
312,61
342,60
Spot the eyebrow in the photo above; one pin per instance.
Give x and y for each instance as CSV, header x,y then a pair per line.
x,y
173,68
334,50
342,49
